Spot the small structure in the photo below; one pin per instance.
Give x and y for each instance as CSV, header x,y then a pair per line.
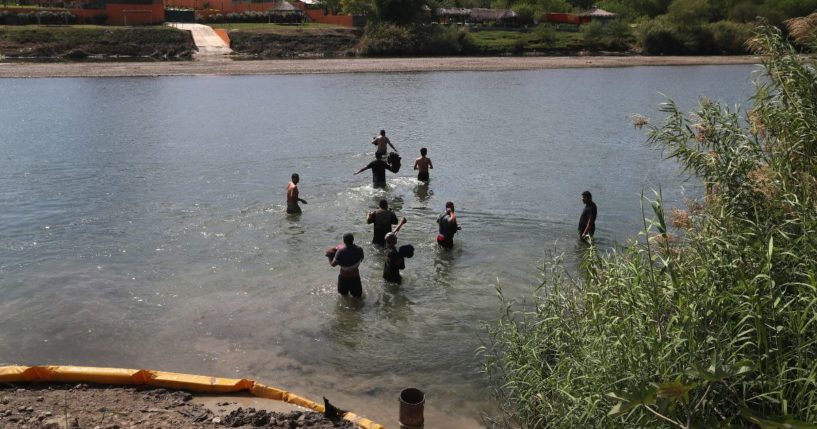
x,y
483,16
601,15
453,15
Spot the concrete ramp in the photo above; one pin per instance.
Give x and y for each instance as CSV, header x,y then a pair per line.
x,y
208,42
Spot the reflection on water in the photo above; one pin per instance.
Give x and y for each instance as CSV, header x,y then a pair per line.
x,y
422,192
145,226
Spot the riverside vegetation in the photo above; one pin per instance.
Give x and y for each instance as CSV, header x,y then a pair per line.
x,y
654,27
709,319
404,28
84,41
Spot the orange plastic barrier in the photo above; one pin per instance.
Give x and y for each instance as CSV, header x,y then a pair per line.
x,y
171,380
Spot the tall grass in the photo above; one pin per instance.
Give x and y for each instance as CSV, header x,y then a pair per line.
x,y
709,319
384,39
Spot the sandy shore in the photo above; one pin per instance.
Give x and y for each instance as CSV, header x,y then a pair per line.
x,y
227,66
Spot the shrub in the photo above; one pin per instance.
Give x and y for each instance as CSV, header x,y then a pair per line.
x,y
615,36
8,18
660,38
730,37
707,325
99,19
546,34
525,13
387,39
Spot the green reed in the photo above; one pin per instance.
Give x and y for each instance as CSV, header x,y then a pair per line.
x,y
709,318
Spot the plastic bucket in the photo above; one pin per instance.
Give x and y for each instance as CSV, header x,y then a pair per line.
x,y
412,402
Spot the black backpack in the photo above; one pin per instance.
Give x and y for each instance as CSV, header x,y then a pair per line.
x,y
394,162
406,251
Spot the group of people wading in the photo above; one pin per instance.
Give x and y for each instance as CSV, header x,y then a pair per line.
x,y
348,256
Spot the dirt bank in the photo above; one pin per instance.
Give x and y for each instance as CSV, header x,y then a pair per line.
x,y
86,406
356,65
296,42
55,42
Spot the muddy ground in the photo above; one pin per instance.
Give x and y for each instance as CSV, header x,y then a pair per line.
x,y
296,43
68,43
59,406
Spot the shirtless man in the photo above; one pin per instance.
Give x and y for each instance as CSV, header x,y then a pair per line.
x,y
382,142
423,164
292,196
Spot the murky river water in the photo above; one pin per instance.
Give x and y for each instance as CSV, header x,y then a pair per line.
x,y
142,219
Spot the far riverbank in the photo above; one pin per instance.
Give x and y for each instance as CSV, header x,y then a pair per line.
x,y
357,65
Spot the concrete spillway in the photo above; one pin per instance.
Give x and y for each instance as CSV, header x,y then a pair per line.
x,y
207,41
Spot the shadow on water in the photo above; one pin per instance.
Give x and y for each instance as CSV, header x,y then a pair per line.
x,y
394,305
444,263
422,192
348,320
293,230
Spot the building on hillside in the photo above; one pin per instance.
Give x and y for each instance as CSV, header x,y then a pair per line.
x,y
232,6
599,15
135,12
111,12
485,16
453,15
316,12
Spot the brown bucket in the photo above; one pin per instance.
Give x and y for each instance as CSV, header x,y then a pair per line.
x,y
412,402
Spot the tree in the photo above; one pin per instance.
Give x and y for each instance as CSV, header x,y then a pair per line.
x,y
689,12
401,12
745,11
356,7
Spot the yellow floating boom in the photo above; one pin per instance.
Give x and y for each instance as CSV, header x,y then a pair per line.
x,y
170,380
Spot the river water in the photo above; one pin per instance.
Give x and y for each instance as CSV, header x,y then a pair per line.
x,y
142,220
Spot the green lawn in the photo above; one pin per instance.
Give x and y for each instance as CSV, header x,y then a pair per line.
x,y
265,26
541,38
67,28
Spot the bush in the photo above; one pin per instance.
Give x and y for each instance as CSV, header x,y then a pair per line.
x,y
99,19
730,37
615,36
250,16
525,13
387,39
707,320
660,38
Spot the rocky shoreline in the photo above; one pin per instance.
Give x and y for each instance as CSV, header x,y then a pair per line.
x,y
227,66
81,406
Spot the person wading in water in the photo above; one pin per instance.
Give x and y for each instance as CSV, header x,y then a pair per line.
x,y
423,164
383,219
395,261
448,226
292,196
349,258
382,142
378,167
587,221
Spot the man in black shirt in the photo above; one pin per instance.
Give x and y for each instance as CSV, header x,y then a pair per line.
x,y
378,167
383,219
448,226
587,221
394,261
